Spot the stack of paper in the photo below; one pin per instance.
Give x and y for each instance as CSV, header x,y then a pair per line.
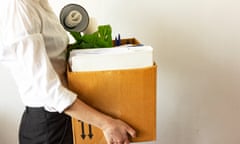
x,y
111,58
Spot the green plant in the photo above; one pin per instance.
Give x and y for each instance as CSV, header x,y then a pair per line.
x,y
102,38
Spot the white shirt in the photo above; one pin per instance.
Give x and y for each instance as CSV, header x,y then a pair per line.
x,y
31,35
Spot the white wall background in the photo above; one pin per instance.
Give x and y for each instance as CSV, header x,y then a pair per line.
x,y
197,50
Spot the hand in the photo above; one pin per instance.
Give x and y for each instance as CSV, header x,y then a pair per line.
x,y
118,132
114,130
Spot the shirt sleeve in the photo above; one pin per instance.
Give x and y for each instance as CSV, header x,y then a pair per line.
x,y
39,69
24,52
39,76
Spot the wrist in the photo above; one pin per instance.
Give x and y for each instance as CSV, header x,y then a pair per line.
x,y
106,122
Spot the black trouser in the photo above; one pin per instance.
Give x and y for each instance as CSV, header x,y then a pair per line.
x,y
42,127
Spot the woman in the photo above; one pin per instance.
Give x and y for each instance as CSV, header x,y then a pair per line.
x,y
32,47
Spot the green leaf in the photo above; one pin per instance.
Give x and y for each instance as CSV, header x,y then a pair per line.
x,y
99,39
77,36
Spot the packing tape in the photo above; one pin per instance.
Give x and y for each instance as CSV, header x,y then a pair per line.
x,y
74,17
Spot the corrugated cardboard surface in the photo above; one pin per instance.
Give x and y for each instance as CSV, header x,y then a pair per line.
x,y
126,94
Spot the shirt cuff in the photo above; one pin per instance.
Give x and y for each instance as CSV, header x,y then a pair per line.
x,y
65,100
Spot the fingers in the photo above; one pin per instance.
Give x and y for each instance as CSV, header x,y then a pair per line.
x,y
119,142
131,132
125,142
118,132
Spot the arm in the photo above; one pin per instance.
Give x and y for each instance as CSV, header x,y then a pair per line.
x,y
114,130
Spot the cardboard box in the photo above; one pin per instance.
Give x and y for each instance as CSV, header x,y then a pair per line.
x,y
129,95
126,94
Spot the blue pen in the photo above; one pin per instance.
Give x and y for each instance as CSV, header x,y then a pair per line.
x,y
119,40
